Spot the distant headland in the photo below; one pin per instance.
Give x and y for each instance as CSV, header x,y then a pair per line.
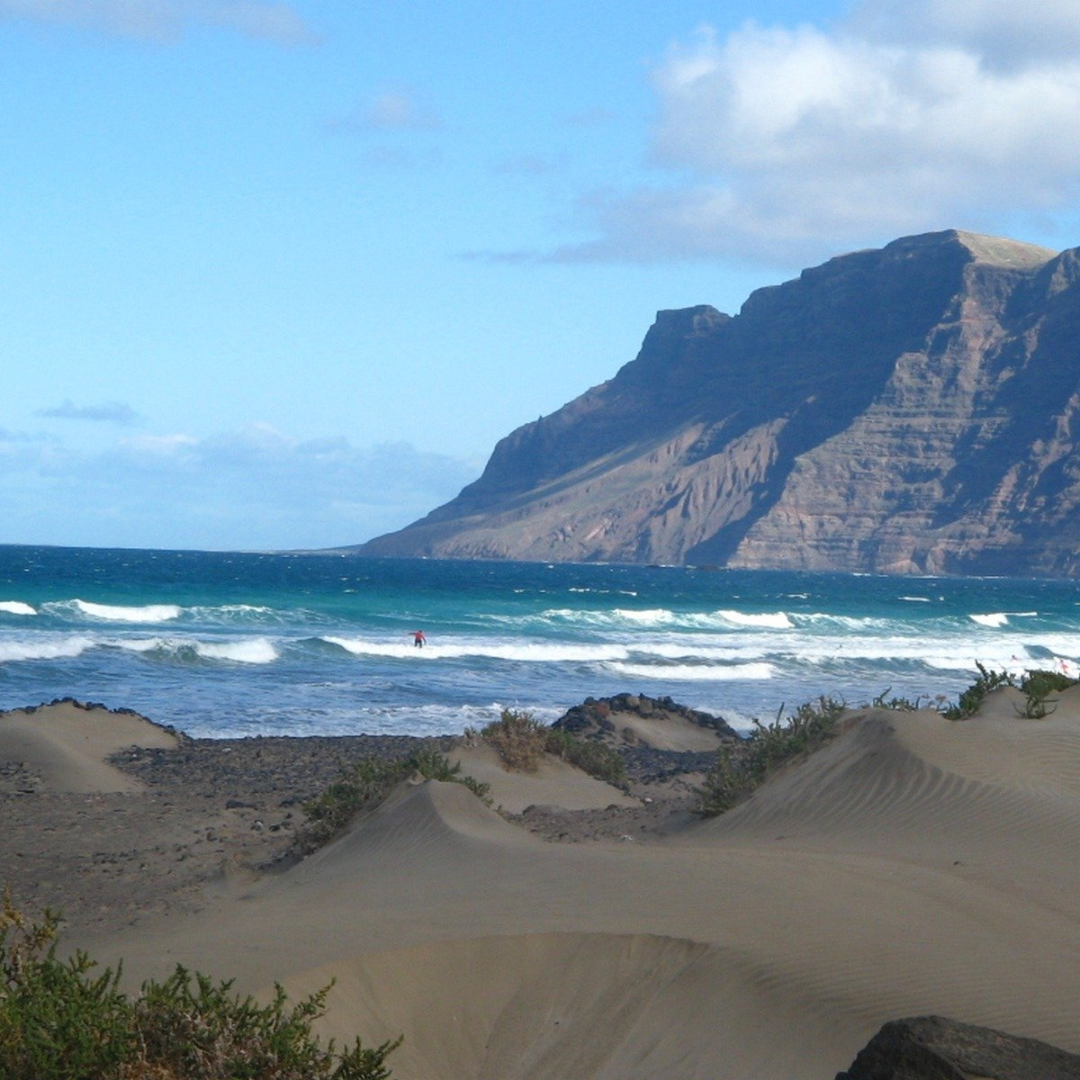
x,y
908,410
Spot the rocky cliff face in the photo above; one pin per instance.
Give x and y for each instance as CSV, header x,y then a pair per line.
x,y
905,410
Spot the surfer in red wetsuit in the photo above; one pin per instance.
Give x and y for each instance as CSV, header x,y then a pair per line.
x,y
418,638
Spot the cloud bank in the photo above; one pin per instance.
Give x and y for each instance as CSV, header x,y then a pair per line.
x,y
790,143
109,412
167,20
251,488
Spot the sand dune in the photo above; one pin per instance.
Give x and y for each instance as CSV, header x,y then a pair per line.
x,y
62,747
915,865
555,782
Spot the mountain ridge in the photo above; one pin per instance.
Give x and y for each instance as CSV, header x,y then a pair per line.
x,y
906,409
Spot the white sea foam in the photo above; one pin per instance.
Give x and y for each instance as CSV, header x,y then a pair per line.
x,y
251,651
694,672
645,617
149,613
526,652
917,599
1001,657
692,649
1058,644
233,613
615,618
142,645
854,624
44,648
994,620
776,620
16,607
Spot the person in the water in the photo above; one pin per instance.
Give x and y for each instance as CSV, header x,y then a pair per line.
x,y
418,638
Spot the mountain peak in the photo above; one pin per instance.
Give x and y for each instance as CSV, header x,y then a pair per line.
x,y
994,250
908,409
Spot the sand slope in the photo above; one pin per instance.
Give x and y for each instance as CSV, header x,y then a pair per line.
x,y
63,746
555,782
913,866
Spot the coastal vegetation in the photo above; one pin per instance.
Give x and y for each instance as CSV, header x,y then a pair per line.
x,y
521,741
741,768
969,701
1036,685
367,783
63,1019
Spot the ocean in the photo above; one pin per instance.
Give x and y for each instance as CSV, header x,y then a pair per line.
x,y
232,644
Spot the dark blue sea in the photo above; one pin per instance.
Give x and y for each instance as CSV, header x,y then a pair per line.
x,y
223,644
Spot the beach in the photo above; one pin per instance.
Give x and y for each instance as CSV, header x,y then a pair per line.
x,y
913,865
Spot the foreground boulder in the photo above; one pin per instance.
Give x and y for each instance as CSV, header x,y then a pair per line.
x,y
936,1048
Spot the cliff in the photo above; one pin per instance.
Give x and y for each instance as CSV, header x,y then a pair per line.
x,y
903,410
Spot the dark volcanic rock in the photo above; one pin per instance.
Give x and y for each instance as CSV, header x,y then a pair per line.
x,y
592,719
914,409
936,1048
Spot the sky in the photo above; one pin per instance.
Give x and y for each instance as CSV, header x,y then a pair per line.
x,y
279,275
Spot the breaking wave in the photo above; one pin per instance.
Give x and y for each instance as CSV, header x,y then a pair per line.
x,y
16,607
149,613
777,620
44,649
243,651
695,672
256,651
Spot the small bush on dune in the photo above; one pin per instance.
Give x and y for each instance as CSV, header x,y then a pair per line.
x,y
522,741
972,698
367,783
741,768
59,1020
519,738
901,704
590,755
1037,686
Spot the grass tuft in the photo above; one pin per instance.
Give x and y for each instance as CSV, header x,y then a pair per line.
x,y
522,741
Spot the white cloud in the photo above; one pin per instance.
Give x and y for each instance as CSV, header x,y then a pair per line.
x,y
782,144
167,20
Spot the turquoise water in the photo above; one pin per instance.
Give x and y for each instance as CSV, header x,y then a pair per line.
x,y
224,644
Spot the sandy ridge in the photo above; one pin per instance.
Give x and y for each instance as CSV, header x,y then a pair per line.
x,y
913,866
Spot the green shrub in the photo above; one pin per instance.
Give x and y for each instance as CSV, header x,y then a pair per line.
x,y
1037,686
1040,683
726,784
900,704
590,755
522,741
519,738
61,1021
741,768
367,783
432,765
972,698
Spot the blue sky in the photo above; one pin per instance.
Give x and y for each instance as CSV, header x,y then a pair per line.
x,y
280,274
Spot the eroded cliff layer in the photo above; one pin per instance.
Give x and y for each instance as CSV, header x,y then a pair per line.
x,y
903,410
